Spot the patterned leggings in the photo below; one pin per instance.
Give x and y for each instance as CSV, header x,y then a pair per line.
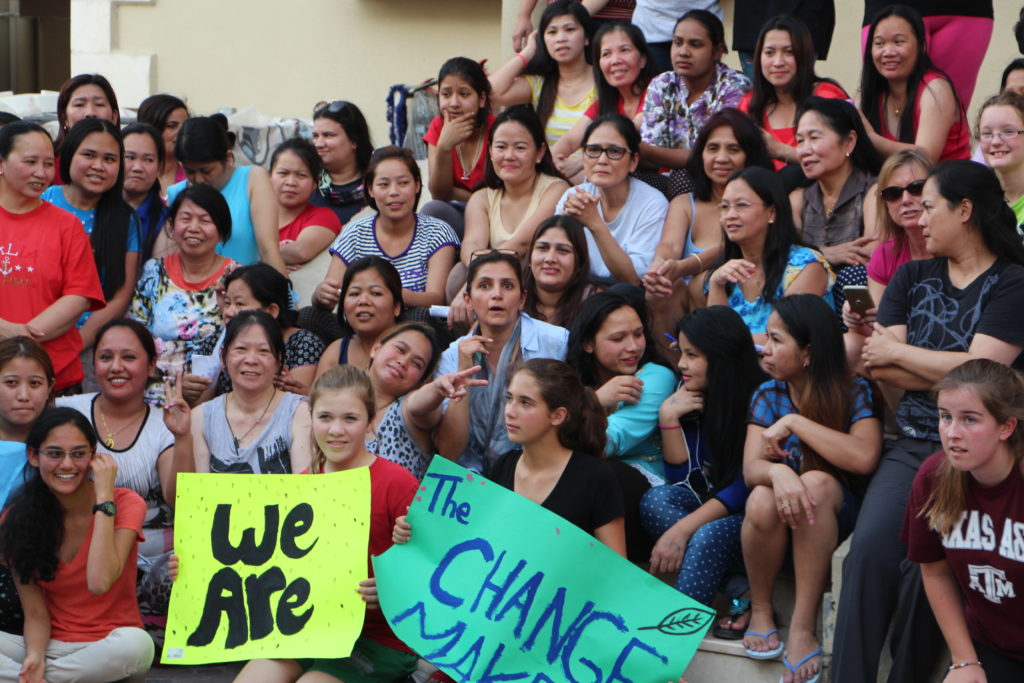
x,y
847,276
713,551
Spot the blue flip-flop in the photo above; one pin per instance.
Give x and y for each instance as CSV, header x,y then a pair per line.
x,y
767,654
793,667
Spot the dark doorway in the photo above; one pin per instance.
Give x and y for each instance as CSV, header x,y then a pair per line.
x,y
35,44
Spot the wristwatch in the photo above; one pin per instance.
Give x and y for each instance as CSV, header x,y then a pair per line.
x,y
107,507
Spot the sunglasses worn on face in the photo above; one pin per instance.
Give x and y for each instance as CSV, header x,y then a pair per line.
x,y
894,192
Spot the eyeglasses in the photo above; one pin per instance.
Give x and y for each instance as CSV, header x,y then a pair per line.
x,y
1008,134
614,152
741,207
57,455
484,252
895,192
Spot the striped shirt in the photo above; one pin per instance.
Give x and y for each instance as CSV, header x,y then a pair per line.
x,y
359,239
563,116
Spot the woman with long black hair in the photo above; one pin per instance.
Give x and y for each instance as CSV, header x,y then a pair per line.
x,y
92,165
936,313
763,259
71,539
906,100
552,72
783,80
811,435
696,517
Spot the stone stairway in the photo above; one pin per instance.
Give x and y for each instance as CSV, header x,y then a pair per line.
x,y
724,661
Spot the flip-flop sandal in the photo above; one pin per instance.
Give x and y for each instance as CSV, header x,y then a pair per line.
x,y
767,654
793,667
740,606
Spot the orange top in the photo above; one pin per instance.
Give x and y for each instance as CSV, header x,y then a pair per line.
x,y
78,616
172,262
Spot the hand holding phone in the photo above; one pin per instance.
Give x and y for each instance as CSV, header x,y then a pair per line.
x,y
859,298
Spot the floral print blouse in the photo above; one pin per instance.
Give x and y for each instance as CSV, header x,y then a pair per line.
x,y
179,314
668,121
755,313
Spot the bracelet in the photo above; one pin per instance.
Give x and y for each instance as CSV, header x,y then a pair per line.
x,y
672,427
962,665
699,262
520,55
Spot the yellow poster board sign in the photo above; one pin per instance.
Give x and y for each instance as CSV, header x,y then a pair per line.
x,y
269,566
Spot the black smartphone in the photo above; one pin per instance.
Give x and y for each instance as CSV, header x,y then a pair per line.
x,y
859,298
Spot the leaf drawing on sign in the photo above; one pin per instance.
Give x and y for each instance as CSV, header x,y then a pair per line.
x,y
683,622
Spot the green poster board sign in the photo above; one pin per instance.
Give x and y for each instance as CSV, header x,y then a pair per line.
x,y
493,587
269,566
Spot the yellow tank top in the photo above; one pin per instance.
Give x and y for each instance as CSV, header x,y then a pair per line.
x,y
563,116
499,233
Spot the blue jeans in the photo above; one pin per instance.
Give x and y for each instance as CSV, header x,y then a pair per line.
x,y
714,551
747,64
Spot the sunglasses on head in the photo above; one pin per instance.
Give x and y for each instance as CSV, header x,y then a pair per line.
x,y
894,192
484,252
334,107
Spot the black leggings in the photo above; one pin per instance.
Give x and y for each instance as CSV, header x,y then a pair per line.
x,y
12,619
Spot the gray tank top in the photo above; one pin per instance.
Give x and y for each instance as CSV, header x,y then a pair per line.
x,y
268,453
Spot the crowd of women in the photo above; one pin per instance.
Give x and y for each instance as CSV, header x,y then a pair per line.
x,y
682,310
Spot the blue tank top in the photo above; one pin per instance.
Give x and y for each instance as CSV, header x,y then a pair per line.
x,y
242,245
689,249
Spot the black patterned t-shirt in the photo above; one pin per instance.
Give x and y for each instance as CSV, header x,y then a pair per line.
x,y
941,317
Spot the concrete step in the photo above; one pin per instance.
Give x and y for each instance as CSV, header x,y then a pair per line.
x,y
725,661
720,661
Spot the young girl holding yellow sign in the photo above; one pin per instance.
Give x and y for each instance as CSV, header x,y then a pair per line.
x,y
342,405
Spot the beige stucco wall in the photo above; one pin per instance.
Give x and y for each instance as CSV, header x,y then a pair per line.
x,y
284,56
